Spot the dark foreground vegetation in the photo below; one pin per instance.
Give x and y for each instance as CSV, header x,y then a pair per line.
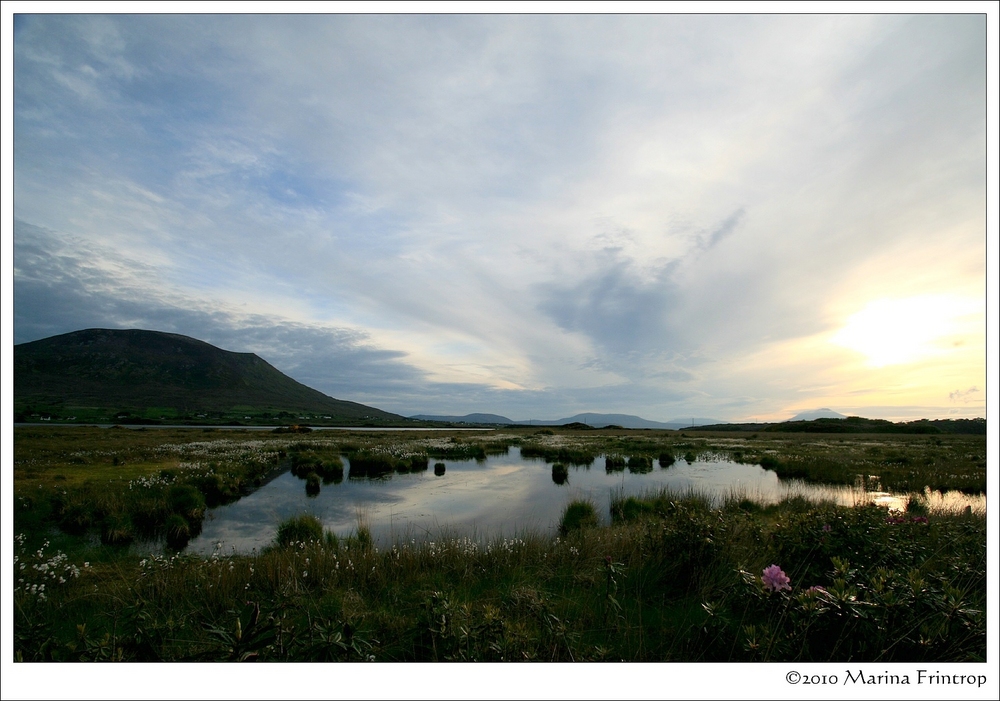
x,y
672,578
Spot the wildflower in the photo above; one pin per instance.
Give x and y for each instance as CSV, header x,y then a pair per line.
x,y
775,579
827,528
919,519
815,590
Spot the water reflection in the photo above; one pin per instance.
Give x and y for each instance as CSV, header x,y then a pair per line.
x,y
503,495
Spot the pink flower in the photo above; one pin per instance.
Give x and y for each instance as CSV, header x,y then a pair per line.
x,y
827,528
815,590
776,580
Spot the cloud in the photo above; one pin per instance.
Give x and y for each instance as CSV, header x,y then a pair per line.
x,y
59,291
551,211
963,395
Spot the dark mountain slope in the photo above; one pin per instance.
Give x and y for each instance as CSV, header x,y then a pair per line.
x,y
149,372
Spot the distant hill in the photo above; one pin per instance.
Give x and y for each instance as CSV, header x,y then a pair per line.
x,y
857,424
817,414
623,420
591,420
141,376
467,419
599,421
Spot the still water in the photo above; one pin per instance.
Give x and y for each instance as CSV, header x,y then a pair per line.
x,y
500,496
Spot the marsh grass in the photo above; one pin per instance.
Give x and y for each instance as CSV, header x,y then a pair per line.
x,y
577,515
674,577
560,473
299,529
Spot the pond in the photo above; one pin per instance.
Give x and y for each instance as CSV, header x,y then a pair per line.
x,y
499,496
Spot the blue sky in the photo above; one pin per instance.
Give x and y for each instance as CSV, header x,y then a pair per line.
x,y
738,217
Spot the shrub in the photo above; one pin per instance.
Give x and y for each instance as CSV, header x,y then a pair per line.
x,y
666,459
439,468
578,515
301,528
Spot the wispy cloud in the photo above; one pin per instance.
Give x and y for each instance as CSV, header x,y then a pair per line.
x,y
543,213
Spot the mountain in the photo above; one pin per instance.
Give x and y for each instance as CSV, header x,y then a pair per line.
x,y
601,420
623,420
467,419
693,422
857,424
817,414
147,376
586,419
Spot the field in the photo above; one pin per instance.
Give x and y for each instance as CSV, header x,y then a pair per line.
x,y
673,578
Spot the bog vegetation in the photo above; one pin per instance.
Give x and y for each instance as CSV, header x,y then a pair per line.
x,y
673,577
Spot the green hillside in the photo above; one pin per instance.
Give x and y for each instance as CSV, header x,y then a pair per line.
x,y
148,376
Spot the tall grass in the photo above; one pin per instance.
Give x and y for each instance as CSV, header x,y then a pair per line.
x,y
673,578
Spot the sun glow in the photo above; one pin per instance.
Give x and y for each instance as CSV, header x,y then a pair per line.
x,y
898,331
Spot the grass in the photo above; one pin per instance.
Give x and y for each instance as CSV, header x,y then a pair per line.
x,y
677,581
304,528
577,516
673,577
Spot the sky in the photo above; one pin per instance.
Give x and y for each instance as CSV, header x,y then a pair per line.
x,y
739,217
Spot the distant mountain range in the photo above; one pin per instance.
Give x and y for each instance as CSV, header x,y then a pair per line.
x,y
589,419
135,376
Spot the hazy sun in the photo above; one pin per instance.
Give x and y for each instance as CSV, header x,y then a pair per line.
x,y
896,331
